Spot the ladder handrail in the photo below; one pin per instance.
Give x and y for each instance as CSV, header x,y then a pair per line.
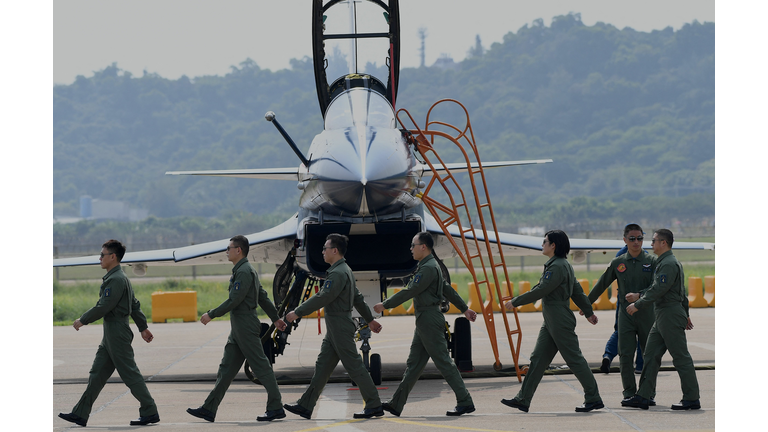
x,y
424,146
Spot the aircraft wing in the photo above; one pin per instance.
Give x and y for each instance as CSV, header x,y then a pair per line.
x,y
462,167
258,173
268,246
525,245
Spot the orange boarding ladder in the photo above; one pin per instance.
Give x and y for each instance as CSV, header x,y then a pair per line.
x,y
459,214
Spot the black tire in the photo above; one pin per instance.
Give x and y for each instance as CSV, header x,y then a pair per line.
x,y
462,339
376,368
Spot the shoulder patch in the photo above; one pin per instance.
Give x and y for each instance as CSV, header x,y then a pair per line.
x,y
107,292
237,286
417,278
547,274
327,284
621,268
663,278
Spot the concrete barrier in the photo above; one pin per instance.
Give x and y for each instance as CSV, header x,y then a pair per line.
x,y
696,293
491,297
709,290
172,305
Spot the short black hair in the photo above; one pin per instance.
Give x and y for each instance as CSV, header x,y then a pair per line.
x,y
632,227
242,242
115,247
339,241
560,239
666,235
426,239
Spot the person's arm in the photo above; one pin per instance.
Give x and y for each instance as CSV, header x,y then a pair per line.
x,y
581,300
452,296
330,290
137,314
551,279
362,307
605,280
108,300
240,285
420,282
662,281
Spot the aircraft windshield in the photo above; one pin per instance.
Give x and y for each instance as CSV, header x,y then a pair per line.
x,y
359,107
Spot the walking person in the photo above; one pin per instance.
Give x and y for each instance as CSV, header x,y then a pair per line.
x,y
670,303
427,289
244,342
556,287
338,296
116,303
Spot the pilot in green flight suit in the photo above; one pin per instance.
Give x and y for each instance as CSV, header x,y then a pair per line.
x,y
634,273
667,296
116,303
427,289
556,288
338,296
244,342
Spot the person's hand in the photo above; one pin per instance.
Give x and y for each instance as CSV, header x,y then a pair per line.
x,y
375,326
689,326
205,319
632,297
592,319
471,315
280,324
631,309
291,316
581,312
147,335
77,324
378,308
509,306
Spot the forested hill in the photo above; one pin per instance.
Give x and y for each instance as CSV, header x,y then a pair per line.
x,y
627,116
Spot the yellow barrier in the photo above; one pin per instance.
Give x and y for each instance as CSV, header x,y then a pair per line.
x,y
709,290
524,287
314,314
474,301
398,310
454,309
696,293
604,301
176,304
491,299
585,288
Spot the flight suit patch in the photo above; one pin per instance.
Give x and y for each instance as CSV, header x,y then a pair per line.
x,y
327,285
621,268
107,292
236,287
417,278
547,275
663,278
647,268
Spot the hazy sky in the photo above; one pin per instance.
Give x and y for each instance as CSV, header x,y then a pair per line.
x,y
196,37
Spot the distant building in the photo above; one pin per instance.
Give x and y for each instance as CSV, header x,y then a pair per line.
x,y
445,62
103,209
531,231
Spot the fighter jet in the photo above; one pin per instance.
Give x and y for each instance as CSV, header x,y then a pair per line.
x,y
360,177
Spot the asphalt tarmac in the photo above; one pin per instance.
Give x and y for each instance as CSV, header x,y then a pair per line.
x,y
180,367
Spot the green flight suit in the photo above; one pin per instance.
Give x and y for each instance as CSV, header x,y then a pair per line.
x,y
556,287
633,276
244,342
338,295
427,289
667,297
116,303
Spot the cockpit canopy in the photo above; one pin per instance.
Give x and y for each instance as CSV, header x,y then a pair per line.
x,y
359,107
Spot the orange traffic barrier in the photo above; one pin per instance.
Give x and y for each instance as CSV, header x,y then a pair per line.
x,y
696,293
524,287
709,290
604,301
584,287
175,304
453,309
